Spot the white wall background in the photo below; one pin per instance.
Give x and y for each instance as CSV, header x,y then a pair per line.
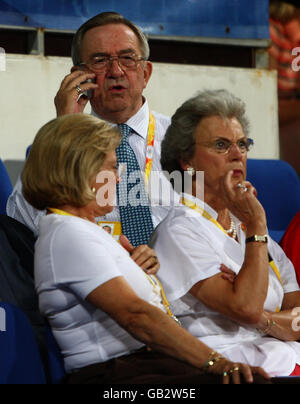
x,y
29,84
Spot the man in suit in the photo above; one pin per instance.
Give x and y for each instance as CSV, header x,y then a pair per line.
x,y
111,70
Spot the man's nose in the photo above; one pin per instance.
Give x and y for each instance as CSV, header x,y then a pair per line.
x,y
114,68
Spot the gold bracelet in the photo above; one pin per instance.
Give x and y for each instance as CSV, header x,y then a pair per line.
x,y
212,359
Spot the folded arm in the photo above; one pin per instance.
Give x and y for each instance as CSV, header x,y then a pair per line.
x,y
153,327
147,323
284,325
243,299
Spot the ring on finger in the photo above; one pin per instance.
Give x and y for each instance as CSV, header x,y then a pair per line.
x,y
79,90
235,369
244,189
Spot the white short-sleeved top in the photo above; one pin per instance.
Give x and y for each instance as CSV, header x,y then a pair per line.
x,y
191,248
72,258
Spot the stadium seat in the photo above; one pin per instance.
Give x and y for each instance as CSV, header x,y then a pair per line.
x,y
27,150
5,187
278,190
55,358
17,288
20,359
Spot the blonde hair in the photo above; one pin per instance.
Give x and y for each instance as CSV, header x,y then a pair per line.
x,y
66,154
282,11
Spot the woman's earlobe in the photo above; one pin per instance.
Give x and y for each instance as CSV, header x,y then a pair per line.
x,y
184,165
191,171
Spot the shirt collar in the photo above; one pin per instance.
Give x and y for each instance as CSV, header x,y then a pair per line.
x,y
138,122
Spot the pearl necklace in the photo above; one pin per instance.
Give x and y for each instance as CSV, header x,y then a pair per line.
x,y
232,229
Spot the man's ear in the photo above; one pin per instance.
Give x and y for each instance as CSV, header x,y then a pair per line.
x,y
147,72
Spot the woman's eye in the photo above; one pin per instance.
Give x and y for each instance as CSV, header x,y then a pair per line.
x,y
220,144
242,144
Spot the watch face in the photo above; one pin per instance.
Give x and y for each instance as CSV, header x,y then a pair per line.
x,y
261,238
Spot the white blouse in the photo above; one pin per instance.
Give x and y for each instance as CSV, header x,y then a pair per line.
x,y
191,248
72,258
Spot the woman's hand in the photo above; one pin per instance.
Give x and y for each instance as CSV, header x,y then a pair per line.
x,y
232,371
242,202
143,256
227,273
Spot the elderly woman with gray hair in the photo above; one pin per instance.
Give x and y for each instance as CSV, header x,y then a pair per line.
x,y
229,283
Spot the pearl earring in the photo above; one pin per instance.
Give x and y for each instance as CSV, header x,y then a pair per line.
x,y
191,171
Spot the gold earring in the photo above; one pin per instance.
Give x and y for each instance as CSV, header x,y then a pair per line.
x,y
93,190
191,171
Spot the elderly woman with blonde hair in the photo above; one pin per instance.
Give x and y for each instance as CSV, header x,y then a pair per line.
x,y
248,316
109,317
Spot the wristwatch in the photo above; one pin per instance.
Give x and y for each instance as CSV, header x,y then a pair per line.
x,y
260,239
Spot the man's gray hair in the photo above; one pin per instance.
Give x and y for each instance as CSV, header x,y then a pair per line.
x,y
99,20
179,141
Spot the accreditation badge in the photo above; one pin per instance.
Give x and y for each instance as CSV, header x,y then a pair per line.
x,y
112,228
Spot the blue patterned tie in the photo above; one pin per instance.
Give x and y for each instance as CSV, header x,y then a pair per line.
x,y
135,213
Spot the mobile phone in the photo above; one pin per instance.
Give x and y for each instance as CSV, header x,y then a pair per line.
x,y
89,93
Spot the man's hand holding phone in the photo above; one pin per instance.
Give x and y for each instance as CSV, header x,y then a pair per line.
x,y
74,92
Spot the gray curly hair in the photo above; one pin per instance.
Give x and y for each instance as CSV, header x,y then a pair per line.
x,y
179,141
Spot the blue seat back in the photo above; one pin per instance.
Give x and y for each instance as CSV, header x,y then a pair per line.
x,y
55,358
5,187
278,188
28,150
20,359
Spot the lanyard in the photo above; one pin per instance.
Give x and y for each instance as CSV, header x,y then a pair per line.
x,y
274,267
59,212
150,148
157,285
194,206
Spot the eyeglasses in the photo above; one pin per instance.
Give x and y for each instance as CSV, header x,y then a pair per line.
x,y
222,146
100,64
